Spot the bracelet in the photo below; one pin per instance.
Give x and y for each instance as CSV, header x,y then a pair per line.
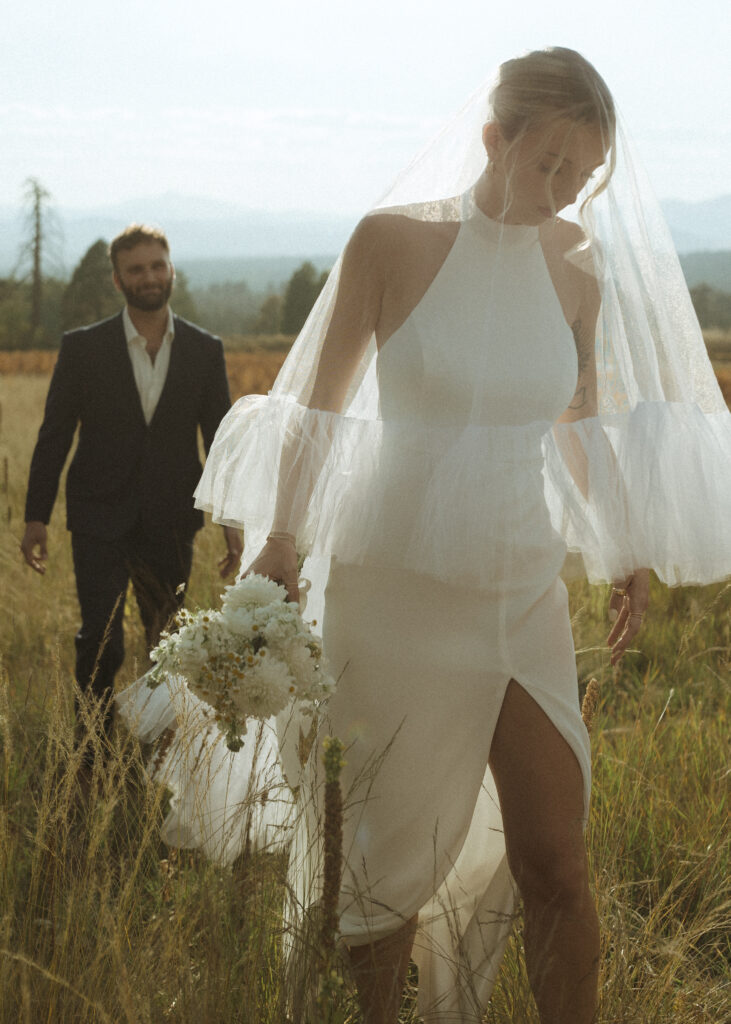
x,y
281,535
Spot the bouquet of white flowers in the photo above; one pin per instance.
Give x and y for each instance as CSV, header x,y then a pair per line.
x,y
248,660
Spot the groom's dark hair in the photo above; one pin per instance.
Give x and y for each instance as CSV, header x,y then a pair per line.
x,y
132,236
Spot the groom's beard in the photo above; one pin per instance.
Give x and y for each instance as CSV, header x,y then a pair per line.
x,y
148,298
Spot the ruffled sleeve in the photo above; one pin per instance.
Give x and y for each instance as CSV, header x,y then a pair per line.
x,y
658,496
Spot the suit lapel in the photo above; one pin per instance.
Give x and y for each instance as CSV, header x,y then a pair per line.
x,y
121,364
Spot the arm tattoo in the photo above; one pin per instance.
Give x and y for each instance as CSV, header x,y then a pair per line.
x,y
582,346
579,399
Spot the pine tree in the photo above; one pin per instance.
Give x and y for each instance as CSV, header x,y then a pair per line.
x,y
269,320
182,301
302,290
90,294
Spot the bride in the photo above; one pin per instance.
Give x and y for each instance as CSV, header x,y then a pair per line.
x,y
483,389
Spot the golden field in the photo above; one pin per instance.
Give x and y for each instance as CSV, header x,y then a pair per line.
x,y
252,365
249,373
99,922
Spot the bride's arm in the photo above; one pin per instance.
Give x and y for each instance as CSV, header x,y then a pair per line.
x,y
584,402
630,595
354,319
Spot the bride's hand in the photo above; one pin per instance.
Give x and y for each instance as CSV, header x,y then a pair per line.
x,y
278,560
627,607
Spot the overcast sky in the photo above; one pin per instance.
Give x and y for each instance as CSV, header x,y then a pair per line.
x,y
316,104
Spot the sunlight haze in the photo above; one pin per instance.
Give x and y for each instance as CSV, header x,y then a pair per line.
x,y
316,106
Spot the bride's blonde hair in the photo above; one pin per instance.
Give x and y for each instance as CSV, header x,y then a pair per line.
x,y
554,84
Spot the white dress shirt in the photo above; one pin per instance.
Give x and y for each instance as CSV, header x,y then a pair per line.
x,y
149,376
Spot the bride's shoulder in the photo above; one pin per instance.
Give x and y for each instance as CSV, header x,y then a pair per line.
x,y
562,235
384,235
566,241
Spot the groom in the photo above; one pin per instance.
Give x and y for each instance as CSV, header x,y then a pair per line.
x,y
138,386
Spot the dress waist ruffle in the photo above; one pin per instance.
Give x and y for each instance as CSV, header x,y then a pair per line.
x,y
488,505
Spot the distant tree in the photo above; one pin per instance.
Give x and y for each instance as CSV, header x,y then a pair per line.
x,y
51,313
15,311
712,306
269,320
36,195
302,290
228,307
182,301
90,294
14,314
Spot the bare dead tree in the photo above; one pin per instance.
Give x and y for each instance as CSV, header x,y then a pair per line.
x,y
36,195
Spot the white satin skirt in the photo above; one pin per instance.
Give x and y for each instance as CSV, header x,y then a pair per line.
x,y
421,685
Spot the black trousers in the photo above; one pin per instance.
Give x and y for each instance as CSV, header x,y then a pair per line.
x,y
157,562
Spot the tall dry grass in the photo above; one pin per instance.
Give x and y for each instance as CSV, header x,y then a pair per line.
x,y
100,922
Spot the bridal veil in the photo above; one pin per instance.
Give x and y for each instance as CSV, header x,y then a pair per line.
x,y
657,453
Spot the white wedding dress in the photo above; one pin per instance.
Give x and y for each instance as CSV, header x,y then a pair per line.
x,y
423,664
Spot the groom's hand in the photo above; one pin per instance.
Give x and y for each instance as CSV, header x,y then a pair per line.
x,y
35,537
234,549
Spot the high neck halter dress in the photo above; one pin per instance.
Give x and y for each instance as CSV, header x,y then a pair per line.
x,y
423,665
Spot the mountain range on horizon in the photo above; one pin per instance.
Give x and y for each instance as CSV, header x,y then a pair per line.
x,y
211,237
199,229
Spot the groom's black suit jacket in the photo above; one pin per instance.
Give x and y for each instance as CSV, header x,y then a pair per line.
x,y
124,471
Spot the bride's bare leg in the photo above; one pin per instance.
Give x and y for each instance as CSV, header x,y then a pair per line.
x,y
380,970
541,797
